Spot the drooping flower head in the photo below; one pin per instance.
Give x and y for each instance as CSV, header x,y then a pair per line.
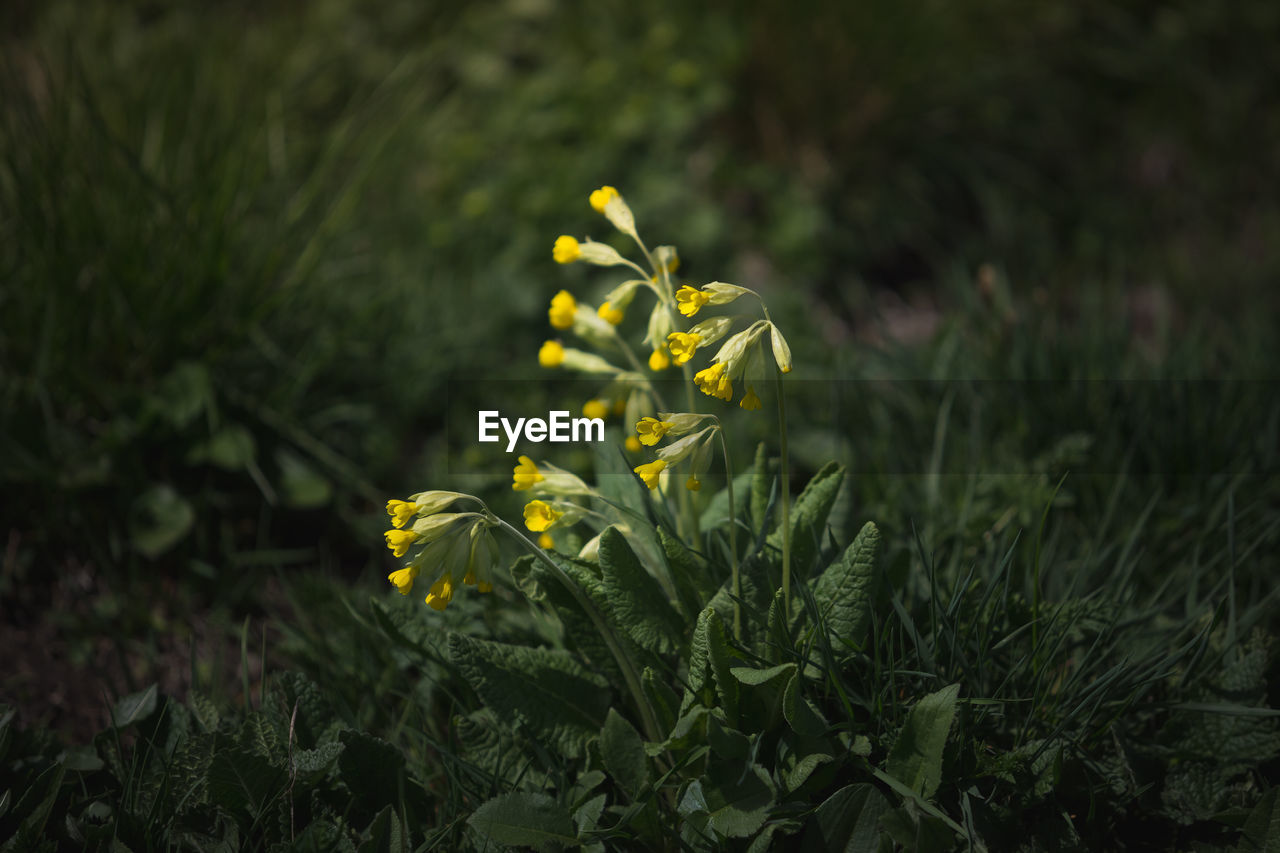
x,y
563,307
551,354
399,541
690,300
714,382
651,430
441,592
601,197
659,359
400,512
750,401
526,475
540,516
610,314
683,345
596,409
650,472
404,578
567,250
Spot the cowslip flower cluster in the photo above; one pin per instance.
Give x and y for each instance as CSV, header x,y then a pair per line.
x,y
452,544
448,544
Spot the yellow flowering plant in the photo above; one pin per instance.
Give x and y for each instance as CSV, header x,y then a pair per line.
x,y
662,596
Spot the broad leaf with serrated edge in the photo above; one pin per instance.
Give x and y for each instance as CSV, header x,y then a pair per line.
x,y
916,757
636,601
844,590
809,517
532,820
547,689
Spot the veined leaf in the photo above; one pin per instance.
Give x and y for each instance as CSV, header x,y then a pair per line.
x,y
370,767
809,517
916,757
548,690
636,601
848,820
710,662
732,803
533,820
134,708
844,590
622,750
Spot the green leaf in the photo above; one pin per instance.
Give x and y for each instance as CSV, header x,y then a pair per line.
x,y
243,781
636,601
664,700
693,577
315,762
809,517
916,756
533,820
158,519
547,690
588,814
386,834
494,748
301,485
801,714
231,448
844,590
762,698
203,711
848,820
710,661
622,750
37,801
804,768
732,803
539,583
135,707
717,511
371,768
1262,829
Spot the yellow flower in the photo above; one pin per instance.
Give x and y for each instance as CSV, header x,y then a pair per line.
x,y
714,382
596,409
400,540
693,484
540,516
545,542
651,430
611,315
683,345
602,197
649,472
551,354
563,307
441,592
750,401
526,474
659,360
633,444
690,300
401,512
403,579
566,250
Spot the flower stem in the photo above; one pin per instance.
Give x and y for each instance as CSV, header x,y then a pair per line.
x,y
733,541
648,719
785,484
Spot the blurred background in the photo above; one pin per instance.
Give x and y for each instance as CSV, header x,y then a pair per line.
x,y
247,248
